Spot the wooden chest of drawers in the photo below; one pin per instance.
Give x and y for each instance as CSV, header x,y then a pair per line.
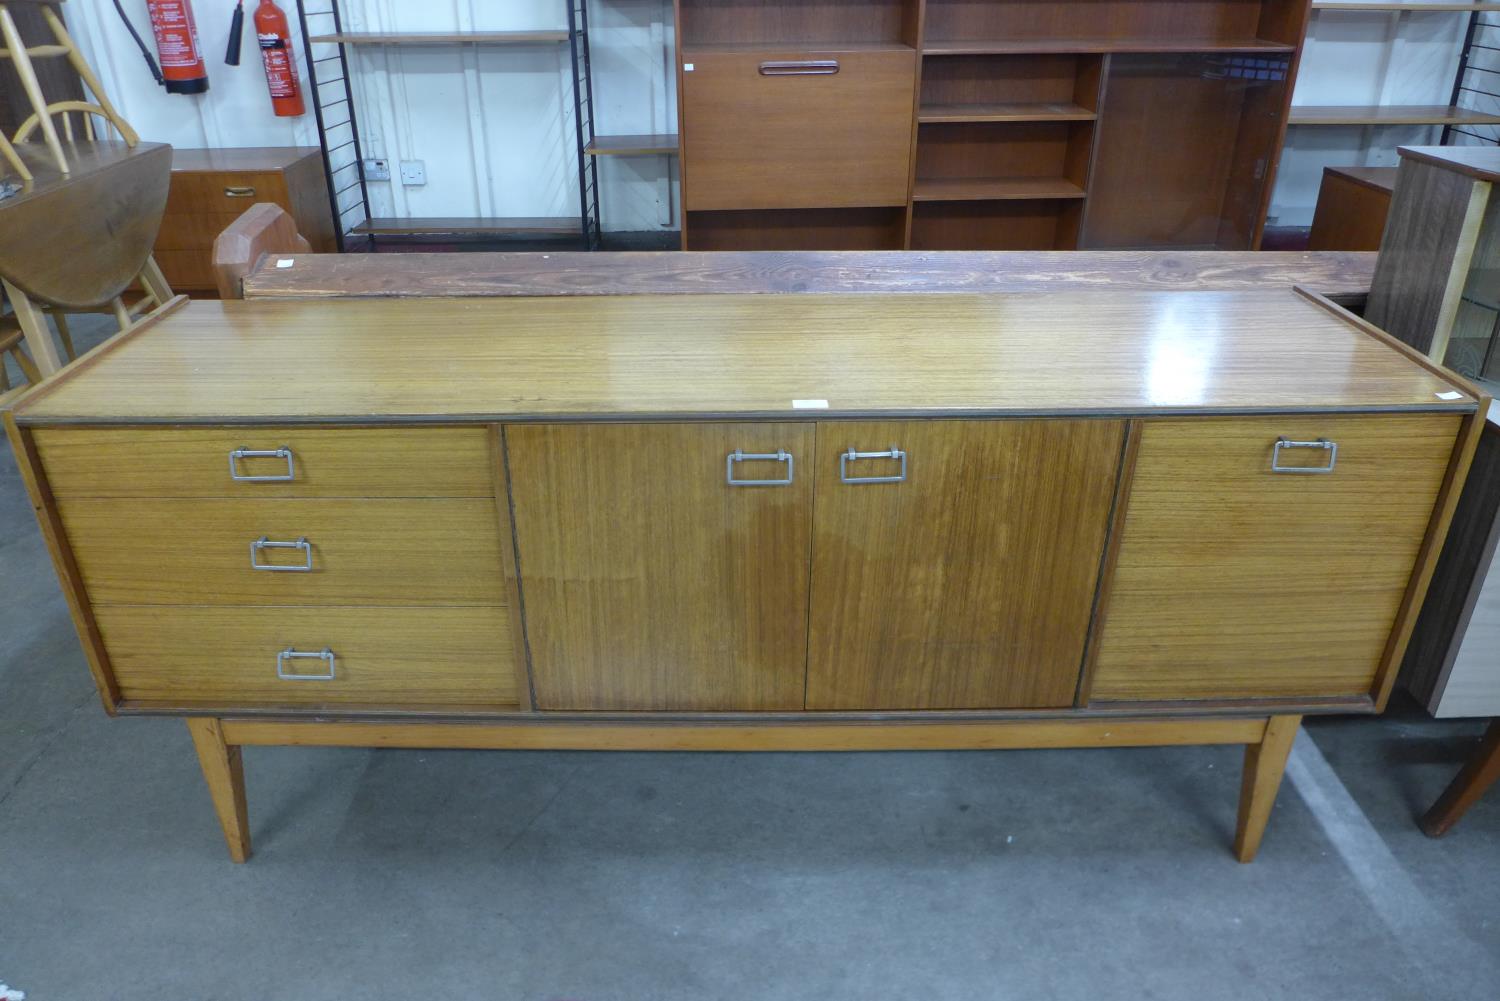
x,y
749,522
211,187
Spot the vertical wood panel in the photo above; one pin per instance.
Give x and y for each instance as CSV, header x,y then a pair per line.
x,y
649,582
969,586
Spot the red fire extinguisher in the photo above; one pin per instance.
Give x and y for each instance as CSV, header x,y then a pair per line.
x,y
276,52
182,66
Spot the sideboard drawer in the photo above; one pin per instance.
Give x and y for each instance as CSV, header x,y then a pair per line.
x,y
362,552
1234,581
400,657
316,462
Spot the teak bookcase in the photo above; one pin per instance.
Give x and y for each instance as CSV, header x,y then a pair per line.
x,y
982,124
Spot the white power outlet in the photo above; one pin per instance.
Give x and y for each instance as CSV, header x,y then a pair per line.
x,y
413,172
376,169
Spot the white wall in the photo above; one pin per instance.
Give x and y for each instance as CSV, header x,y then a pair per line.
x,y
493,126
1363,58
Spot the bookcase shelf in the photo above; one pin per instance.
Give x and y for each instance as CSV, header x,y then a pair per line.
x,y
1039,111
994,189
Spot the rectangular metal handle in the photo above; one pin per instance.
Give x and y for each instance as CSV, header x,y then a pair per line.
x,y
852,456
292,653
781,455
239,192
1331,447
265,543
800,67
284,452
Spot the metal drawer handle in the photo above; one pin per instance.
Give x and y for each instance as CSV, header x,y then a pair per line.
x,y
283,452
292,653
239,192
852,456
780,455
1331,447
265,543
800,67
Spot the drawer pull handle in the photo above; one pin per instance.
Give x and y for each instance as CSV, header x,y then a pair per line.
x,y
852,456
781,455
239,192
800,67
251,453
1331,447
292,653
265,543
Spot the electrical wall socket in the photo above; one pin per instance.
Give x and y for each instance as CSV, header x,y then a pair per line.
x,y
376,169
413,172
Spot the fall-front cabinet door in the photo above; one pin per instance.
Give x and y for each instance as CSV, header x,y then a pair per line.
x,y
955,562
664,566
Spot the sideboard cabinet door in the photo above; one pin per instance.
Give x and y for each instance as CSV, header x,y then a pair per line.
x,y
648,579
959,573
1235,581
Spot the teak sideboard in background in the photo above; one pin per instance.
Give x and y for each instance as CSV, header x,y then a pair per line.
x,y
982,124
740,522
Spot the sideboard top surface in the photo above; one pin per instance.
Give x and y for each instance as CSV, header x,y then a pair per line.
x,y
616,357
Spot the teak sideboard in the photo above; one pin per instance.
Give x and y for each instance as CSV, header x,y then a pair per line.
x,y
748,522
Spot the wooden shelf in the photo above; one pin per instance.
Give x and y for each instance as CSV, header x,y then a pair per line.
x,y
976,189
440,226
1390,114
442,37
688,51
642,145
1014,46
1421,8
1007,112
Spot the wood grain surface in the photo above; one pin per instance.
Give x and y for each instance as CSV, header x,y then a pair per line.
x,y
401,657
327,462
969,585
1236,582
374,552
1095,352
668,273
647,581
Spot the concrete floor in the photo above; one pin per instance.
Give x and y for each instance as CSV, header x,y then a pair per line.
x,y
453,875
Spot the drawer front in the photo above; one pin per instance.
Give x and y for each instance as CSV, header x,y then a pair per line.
x,y
186,269
401,657
192,232
797,138
363,552
325,462
194,193
1237,582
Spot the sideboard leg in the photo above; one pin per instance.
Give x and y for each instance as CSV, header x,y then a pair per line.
x,y
226,782
1478,774
1264,764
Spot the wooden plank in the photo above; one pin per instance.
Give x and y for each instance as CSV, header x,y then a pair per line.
x,y
649,582
1024,46
1389,114
441,37
961,189
632,145
907,609
1269,584
741,356
437,226
1479,162
1039,111
809,736
1344,275
1415,7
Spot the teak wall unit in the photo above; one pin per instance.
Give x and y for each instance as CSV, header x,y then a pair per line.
x,y
1176,518
982,124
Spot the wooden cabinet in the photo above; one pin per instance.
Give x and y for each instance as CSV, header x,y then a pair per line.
x,y
211,187
658,572
818,522
810,129
961,574
1237,581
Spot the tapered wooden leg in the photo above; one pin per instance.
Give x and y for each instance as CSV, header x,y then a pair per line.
x,y
34,324
226,783
1477,775
1264,764
64,334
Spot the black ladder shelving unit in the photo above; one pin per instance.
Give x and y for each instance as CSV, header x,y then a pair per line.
x,y
331,90
1477,83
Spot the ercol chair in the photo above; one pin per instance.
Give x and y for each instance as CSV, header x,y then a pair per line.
x,y
11,336
264,228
